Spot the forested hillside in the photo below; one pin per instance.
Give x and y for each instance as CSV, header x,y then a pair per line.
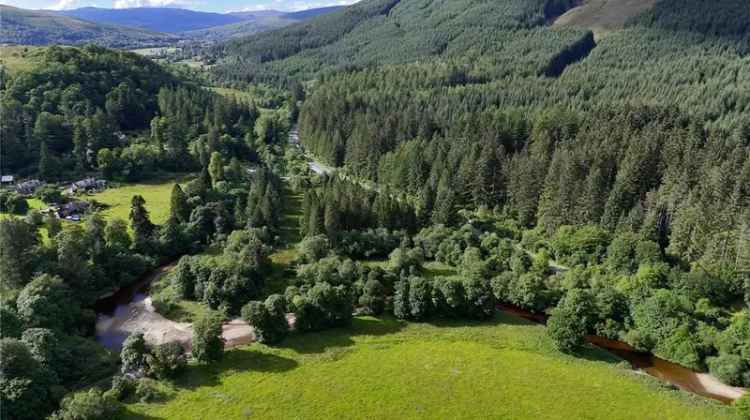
x,y
80,109
470,105
94,112
365,34
157,19
39,27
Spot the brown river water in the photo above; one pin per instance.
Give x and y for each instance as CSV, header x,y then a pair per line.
x,y
684,378
127,301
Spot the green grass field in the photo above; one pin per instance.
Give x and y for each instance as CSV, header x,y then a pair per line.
x,y
386,369
156,193
19,58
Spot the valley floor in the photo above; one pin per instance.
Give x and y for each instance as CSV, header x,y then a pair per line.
x,y
382,368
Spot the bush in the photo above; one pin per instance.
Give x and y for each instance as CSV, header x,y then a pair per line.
x,y
312,249
166,360
373,297
11,202
268,318
49,194
480,302
401,309
323,306
404,259
122,387
133,354
88,405
208,344
420,298
729,368
148,390
571,320
35,218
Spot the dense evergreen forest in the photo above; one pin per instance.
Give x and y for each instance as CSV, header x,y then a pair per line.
x,y
480,158
640,141
93,108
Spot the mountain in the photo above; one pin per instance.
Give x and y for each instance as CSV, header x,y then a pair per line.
x,y
249,26
311,13
394,31
199,26
160,19
256,22
38,27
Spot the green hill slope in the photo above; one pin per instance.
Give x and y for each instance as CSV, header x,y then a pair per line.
x,y
379,32
35,27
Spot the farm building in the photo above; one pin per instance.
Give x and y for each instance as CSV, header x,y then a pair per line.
x,y
87,185
29,186
73,211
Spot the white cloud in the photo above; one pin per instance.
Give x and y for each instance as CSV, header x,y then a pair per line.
x,y
126,4
294,6
68,4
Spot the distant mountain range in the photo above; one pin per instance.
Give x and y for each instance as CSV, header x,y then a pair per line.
x,y
41,27
172,20
138,27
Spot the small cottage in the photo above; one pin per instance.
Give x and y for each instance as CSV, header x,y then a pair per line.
x,y
28,187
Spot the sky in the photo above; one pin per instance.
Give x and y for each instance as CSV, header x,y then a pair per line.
x,y
202,5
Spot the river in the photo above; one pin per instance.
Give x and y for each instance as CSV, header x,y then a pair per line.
x,y
684,378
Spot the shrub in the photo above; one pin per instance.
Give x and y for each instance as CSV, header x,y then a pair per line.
x,y
420,298
49,194
148,390
133,354
312,249
88,405
268,318
166,360
373,297
401,309
13,203
480,302
208,344
729,368
122,387
571,320
35,217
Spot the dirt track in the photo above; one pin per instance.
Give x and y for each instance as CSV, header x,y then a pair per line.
x,y
140,316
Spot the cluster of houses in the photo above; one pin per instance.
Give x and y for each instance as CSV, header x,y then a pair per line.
x,y
87,186
72,210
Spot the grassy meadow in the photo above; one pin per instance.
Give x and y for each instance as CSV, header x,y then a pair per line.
x,y
385,369
157,194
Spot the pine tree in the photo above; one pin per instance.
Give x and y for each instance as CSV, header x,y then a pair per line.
x,y
331,221
47,167
216,169
445,202
140,222
179,209
80,144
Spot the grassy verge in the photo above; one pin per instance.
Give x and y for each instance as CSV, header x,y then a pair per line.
x,y
382,368
290,235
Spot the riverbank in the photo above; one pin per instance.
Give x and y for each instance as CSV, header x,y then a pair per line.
x,y
131,310
700,383
384,368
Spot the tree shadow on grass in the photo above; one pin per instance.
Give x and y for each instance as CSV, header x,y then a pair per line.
x,y
322,341
130,415
499,318
234,361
